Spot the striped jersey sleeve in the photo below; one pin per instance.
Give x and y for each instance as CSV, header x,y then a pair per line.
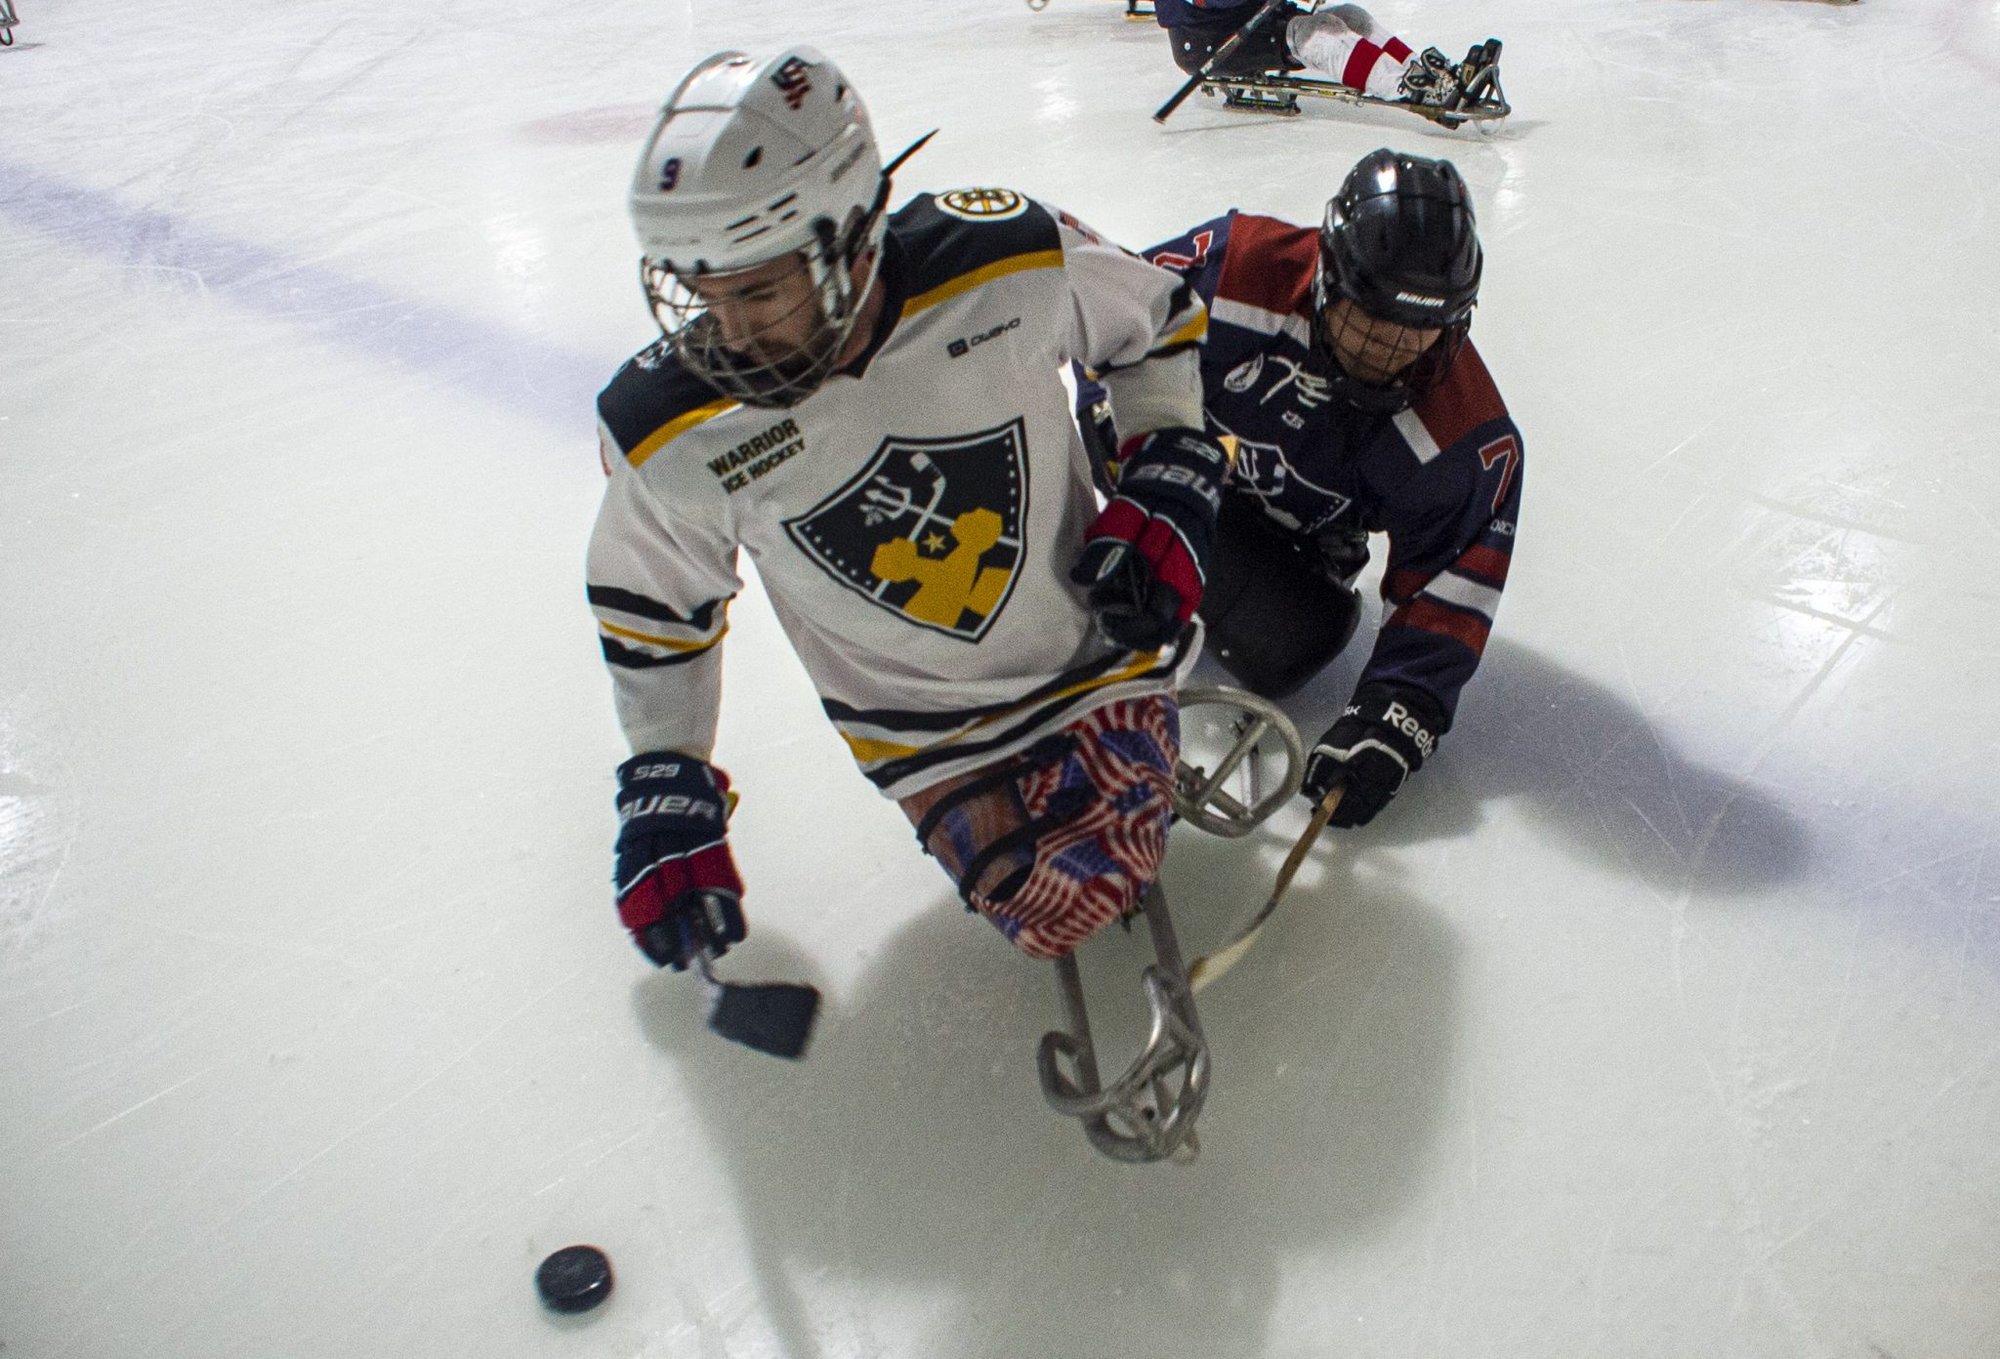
x,y
1137,328
1451,535
658,584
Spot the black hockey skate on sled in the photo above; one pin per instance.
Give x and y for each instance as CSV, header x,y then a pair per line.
x,y
1148,1112
1479,98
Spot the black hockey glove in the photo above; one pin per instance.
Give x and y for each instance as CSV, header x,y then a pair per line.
x,y
1383,737
678,891
1143,557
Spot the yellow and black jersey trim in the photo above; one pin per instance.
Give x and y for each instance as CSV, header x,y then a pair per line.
x,y
654,400
945,254
1189,319
892,745
638,633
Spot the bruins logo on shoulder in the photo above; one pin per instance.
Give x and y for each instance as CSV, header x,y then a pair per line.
x,y
982,205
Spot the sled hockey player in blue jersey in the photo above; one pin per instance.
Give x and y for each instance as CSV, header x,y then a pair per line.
x,y
870,405
1337,363
1344,45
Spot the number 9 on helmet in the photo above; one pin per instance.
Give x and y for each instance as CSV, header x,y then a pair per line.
x,y
758,203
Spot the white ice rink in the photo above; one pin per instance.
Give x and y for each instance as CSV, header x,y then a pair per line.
x,y
1660,1018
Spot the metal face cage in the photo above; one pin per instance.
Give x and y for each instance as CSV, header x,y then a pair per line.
x,y
781,362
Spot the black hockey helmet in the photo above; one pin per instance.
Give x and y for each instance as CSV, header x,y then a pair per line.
x,y
1400,242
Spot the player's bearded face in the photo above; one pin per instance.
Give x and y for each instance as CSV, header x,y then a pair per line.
x,y
1371,350
769,314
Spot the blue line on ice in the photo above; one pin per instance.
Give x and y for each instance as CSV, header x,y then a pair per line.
x,y
478,358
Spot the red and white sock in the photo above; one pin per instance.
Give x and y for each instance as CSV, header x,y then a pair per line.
x,y
1346,44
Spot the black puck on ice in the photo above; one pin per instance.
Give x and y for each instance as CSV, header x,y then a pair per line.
x,y
574,1279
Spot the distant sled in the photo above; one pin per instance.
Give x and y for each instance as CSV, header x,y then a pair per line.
x,y
1481,101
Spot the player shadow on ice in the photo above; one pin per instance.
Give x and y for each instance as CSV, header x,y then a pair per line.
x,y
908,1166
1589,769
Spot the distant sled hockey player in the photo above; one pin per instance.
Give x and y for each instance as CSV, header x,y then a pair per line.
x,y
1344,44
871,406
1338,362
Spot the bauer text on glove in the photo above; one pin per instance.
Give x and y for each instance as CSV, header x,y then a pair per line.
x,y
677,886
1143,557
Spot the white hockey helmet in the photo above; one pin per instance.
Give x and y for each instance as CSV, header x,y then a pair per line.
x,y
752,161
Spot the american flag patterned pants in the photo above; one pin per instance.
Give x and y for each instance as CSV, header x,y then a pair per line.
x,y
1055,844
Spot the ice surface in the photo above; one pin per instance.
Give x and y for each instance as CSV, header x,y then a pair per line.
x,y
1659,1019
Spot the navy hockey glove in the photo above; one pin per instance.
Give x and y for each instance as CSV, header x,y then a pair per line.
x,y
677,887
1383,737
1143,557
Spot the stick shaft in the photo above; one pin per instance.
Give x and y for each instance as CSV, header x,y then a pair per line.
x,y
1207,969
1216,58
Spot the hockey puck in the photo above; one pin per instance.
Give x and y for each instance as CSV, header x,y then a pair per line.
x,y
574,1279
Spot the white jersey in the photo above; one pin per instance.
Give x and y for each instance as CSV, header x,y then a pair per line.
x,y
913,526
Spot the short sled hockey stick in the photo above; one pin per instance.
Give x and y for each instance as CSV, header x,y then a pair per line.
x,y
1210,966
1217,57
773,1017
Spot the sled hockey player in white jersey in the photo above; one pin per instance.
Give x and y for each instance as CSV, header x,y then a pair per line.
x,y
870,405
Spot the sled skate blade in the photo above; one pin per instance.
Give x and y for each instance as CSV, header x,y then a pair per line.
x,y
1148,1113
1254,98
1480,102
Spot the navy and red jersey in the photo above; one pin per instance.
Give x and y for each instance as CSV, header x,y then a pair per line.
x,y
1223,14
1441,479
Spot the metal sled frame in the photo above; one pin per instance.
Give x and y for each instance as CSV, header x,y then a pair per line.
x,y
1484,101
7,22
1148,1112
1202,799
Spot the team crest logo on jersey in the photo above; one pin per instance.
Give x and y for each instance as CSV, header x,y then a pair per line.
x,y
930,529
982,205
1265,472
1244,375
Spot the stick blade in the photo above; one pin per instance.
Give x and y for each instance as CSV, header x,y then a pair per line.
x,y
1206,970
773,1017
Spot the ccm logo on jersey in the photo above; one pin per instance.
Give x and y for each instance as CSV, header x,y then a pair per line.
x,y
960,348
